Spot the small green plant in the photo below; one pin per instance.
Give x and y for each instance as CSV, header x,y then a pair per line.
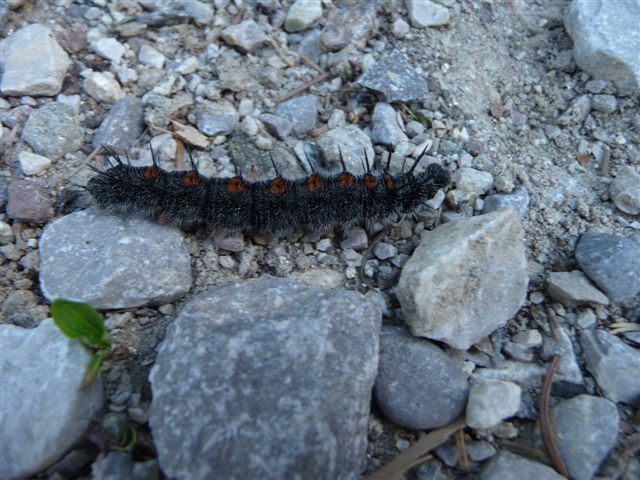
x,y
418,117
82,321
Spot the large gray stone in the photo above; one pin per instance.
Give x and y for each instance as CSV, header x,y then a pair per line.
x,y
53,130
302,112
606,36
122,126
349,25
508,466
573,288
418,385
395,79
33,62
113,262
287,394
349,141
465,279
42,410
246,36
385,125
29,202
216,118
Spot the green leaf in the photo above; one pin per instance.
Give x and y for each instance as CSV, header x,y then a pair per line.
x,y
80,320
93,367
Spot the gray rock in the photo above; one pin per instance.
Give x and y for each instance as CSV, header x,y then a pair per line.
x,y
33,63
147,55
604,103
349,25
277,126
414,128
112,466
18,309
400,28
424,13
302,15
605,37
351,142
302,112
489,285
109,48
573,288
508,466
15,116
246,36
216,118
29,202
568,379
519,200
53,130
159,110
625,191
418,385
356,239
395,79
586,431
32,164
289,394
614,365
386,128
480,450
577,111
470,183
491,402
170,12
102,87
113,262
122,126
42,406
385,251
612,263
525,374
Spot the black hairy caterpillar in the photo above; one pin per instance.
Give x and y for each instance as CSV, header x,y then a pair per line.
x,y
233,205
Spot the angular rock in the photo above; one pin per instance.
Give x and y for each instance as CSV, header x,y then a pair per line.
x,y
349,25
577,111
586,431
508,466
216,118
289,394
246,36
384,251
612,263
612,363
150,56
42,406
386,128
395,79
33,63
519,200
32,164
625,191
491,402
573,288
53,130
122,126
605,39
604,103
425,13
418,385
102,87
113,262
302,112
29,202
351,142
470,183
465,279
277,126
568,379
302,15
109,48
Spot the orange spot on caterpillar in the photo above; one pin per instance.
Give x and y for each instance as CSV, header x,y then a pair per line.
x,y
151,172
346,180
370,181
235,185
315,183
191,179
278,186
388,181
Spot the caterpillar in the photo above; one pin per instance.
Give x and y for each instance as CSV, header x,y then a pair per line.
x,y
276,206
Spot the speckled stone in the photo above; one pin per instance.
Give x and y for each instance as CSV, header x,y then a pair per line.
x,y
395,79
53,130
29,202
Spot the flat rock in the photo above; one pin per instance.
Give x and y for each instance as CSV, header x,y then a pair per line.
x,y
425,13
302,112
470,183
395,79
519,200
102,87
605,39
53,130
586,431
625,191
492,401
386,128
573,288
29,202
289,392
349,25
33,63
32,163
122,125
465,279
113,262
277,126
612,263
418,385
109,48
302,15
150,56
42,406
612,363
246,36
351,142
568,380
509,466
216,118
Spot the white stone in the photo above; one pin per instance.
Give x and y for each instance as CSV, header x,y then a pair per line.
x,y
109,48
400,28
33,63
491,402
33,164
150,56
188,65
127,75
103,87
625,191
302,15
43,413
424,13
470,183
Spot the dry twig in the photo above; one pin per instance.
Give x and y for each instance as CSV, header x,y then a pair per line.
x,y
304,86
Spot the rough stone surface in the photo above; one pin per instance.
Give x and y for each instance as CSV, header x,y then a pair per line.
x,y
150,56
351,142
349,25
29,202
612,363
288,395
113,262
465,279
42,406
577,111
491,402
625,191
604,103
418,385
508,466
302,15
217,118
425,13
122,126
247,36
612,263
606,36
277,126
586,431
568,379
519,200
32,164
573,288
109,48
395,79
33,63
470,183
385,126
103,87
52,130
302,112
